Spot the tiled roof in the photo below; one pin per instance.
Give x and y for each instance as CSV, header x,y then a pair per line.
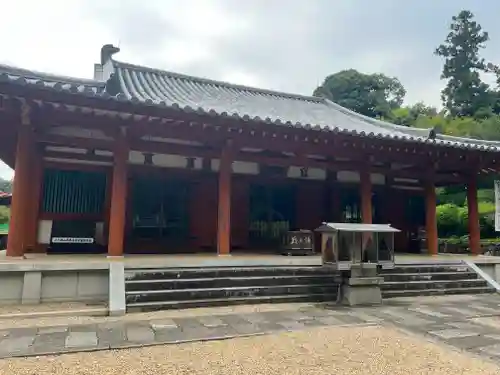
x,y
155,87
161,87
50,81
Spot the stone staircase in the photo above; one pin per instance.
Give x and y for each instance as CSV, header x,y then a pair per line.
x,y
429,280
161,289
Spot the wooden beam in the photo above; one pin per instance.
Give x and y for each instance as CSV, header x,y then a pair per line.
x,y
77,156
282,138
210,153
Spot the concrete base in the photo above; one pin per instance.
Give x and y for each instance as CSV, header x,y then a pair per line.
x,y
117,304
362,287
356,295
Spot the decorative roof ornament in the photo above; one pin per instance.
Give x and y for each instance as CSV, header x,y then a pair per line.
x,y
107,52
432,133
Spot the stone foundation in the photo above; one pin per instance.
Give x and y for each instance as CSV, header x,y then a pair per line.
x,y
362,286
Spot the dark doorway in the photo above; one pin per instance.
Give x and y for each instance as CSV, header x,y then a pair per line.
x,y
159,214
272,214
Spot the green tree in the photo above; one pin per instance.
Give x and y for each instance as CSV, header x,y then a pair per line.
x,y
409,115
4,214
465,94
373,95
5,186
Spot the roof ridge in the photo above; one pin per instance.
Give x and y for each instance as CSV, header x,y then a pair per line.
x,y
33,74
384,124
219,83
453,138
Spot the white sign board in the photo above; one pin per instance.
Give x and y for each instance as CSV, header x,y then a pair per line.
x,y
497,205
72,240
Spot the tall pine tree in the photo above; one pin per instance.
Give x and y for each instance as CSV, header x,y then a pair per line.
x,y
465,94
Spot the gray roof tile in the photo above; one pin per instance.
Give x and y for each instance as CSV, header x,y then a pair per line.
x,y
222,98
46,80
153,86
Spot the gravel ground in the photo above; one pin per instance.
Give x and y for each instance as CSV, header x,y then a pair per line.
x,y
208,311
352,351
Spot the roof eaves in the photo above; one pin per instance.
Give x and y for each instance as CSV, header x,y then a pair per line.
x,y
51,81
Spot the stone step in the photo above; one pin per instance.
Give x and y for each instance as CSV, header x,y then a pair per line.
x,y
240,281
426,268
402,277
226,293
213,302
433,284
192,273
435,292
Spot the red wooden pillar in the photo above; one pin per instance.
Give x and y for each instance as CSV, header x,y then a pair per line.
x,y
118,207
224,208
430,219
16,240
474,232
366,197
35,196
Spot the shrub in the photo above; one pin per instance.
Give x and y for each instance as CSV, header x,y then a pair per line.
x,y
4,214
449,219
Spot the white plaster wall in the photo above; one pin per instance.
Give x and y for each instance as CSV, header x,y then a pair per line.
x,y
165,160
312,173
377,179
348,176
44,231
242,167
354,176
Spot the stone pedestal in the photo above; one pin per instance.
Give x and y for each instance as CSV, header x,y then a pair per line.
x,y
362,286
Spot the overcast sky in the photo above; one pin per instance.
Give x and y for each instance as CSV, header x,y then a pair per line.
x,y
288,45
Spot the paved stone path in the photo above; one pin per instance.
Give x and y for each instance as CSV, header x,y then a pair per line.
x,y
470,323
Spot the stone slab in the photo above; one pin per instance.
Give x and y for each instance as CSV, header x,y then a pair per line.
x,y
493,350
462,312
471,342
292,325
16,345
296,315
254,318
447,334
163,324
77,340
140,334
50,342
111,337
486,309
429,312
362,316
404,317
211,321
329,321
56,329
467,326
